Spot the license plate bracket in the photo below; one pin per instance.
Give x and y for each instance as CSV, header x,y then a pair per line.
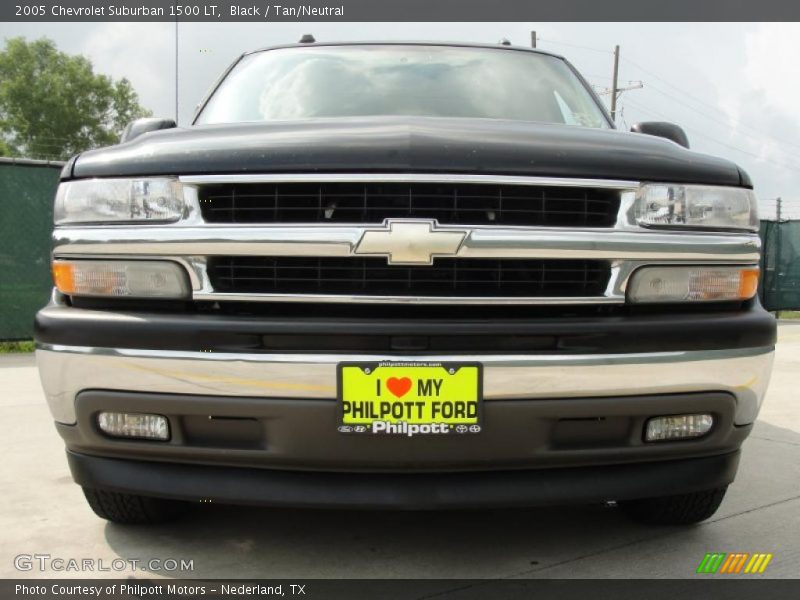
x,y
410,398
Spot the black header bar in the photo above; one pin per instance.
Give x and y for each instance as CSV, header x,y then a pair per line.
x,y
735,587
400,10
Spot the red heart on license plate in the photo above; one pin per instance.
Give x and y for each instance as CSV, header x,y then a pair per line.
x,y
399,386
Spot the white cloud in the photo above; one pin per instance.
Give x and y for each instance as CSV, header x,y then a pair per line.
x,y
142,52
772,51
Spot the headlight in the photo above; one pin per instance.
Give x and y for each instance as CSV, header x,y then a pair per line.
x,y
119,200
121,278
692,284
699,206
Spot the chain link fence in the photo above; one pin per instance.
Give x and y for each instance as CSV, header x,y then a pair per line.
x,y
27,188
780,265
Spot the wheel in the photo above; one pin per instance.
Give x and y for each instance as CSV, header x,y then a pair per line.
x,y
129,509
683,509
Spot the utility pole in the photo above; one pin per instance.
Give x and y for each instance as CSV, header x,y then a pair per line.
x,y
614,85
533,39
776,274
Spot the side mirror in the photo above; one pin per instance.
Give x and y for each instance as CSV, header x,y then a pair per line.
x,y
662,129
140,126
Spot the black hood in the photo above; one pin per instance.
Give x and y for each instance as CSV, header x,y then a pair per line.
x,y
407,144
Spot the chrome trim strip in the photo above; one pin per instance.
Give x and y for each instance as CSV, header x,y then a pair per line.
x,y
341,240
344,299
66,370
406,178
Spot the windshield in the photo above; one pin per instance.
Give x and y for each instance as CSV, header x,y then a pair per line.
x,y
408,80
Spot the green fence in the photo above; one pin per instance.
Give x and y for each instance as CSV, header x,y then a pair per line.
x,y
780,265
26,221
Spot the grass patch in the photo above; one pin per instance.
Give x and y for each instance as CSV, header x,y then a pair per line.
x,y
15,347
789,314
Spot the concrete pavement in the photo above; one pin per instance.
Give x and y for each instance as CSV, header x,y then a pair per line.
x,y
43,512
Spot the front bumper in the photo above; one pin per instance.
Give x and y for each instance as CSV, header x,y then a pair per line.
x,y
579,357
67,370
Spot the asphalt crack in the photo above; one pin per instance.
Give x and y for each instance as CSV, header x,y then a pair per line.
x,y
766,439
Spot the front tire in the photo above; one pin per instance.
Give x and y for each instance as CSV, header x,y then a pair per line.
x,y
129,509
683,509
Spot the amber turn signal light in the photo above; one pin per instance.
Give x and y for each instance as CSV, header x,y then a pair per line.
x,y
121,278
694,283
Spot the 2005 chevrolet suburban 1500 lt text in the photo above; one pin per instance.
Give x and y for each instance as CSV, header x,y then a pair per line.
x,y
406,275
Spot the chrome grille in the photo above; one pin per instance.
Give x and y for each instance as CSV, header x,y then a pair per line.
x,y
372,202
464,277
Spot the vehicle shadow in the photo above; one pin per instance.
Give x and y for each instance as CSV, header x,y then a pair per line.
x,y
229,541
258,542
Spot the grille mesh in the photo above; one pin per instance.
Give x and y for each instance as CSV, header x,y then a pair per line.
x,y
372,276
468,204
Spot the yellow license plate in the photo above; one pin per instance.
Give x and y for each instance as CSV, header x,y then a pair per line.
x,y
410,398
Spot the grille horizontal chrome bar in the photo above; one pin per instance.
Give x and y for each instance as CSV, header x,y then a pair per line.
x,y
330,240
432,300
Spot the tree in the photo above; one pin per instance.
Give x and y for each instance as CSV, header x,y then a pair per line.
x,y
53,105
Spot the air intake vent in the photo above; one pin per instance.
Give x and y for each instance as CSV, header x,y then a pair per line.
x,y
462,203
373,277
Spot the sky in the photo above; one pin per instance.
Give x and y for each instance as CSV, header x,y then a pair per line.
x,y
734,87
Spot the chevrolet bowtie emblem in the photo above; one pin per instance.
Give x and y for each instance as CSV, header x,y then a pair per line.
x,y
407,242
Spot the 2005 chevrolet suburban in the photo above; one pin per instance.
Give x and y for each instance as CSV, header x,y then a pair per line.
x,y
404,275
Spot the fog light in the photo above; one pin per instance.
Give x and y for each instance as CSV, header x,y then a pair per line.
x,y
677,427
121,278
692,284
134,425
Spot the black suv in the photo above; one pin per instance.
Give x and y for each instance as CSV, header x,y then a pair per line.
x,y
410,275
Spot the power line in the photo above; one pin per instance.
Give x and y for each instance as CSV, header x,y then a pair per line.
x,y
758,133
596,76
694,131
622,116
575,46
673,86
632,85
720,142
716,109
